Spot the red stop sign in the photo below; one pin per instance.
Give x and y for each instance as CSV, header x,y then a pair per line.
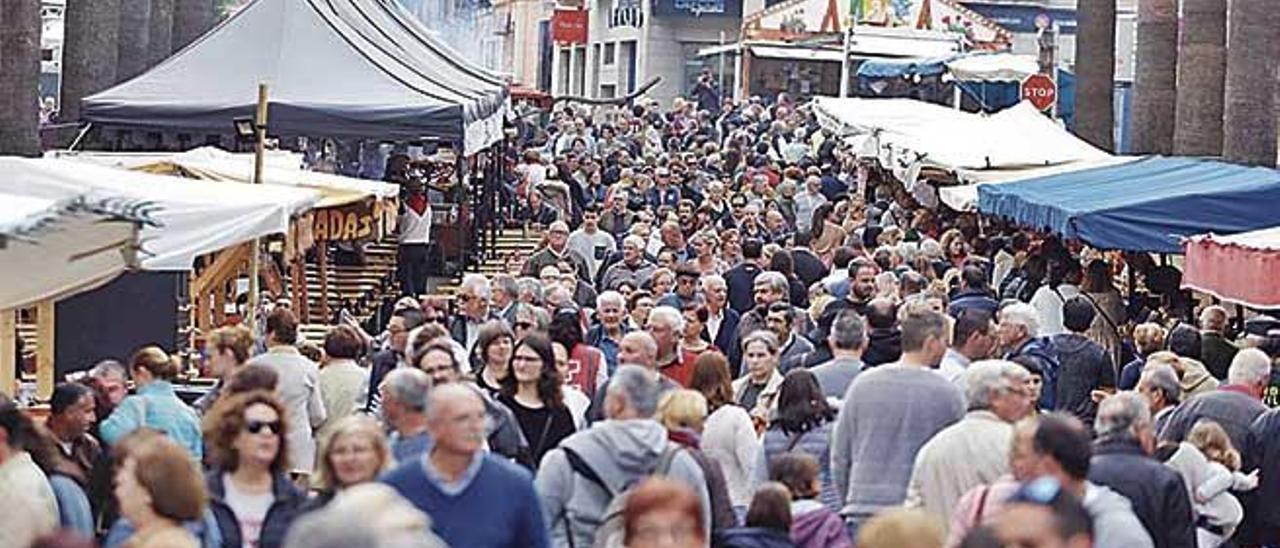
x,y
1040,90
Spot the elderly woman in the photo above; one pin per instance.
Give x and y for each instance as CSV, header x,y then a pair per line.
x,y
757,389
356,453
155,405
253,500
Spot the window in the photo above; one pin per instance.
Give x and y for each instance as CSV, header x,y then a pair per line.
x,y
610,56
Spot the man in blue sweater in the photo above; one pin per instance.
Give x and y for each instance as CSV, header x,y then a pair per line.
x,y
474,498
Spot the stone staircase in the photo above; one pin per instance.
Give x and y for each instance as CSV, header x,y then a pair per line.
x,y
510,242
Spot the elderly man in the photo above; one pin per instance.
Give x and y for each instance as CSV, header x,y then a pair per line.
x,y
971,452
1215,350
768,288
298,388
781,320
473,303
890,412
608,330
1017,335
1234,405
633,269
557,249
972,338
578,479
1122,461
506,292
404,410
457,480
848,339
722,321
807,200
1159,385
666,326
71,416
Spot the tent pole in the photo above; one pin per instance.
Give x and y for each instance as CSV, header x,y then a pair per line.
x,y
8,350
45,349
259,152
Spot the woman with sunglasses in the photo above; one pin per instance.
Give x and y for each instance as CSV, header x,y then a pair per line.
x,y
250,493
534,393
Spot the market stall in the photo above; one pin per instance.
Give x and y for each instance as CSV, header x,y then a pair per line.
x,y
1145,205
1240,268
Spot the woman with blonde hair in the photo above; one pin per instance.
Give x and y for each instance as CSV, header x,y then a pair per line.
x,y
355,453
158,488
684,412
1210,465
1148,338
155,405
229,348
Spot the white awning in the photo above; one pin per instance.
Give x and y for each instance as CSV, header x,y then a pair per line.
x,y
796,54
995,67
964,197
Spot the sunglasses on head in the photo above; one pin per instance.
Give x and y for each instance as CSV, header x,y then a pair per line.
x,y
255,427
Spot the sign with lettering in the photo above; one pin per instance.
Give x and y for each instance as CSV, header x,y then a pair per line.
x,y
697,8
569,27
365,220
626,13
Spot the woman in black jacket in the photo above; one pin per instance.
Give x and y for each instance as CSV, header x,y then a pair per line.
x,y
250,492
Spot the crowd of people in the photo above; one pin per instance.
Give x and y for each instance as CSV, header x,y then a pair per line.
x,y
735,333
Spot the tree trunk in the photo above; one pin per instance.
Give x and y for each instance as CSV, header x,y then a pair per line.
x,y
132,50
1202,72
160,41
1250,121
1095,72
191,19
89,52
20,77
1155,77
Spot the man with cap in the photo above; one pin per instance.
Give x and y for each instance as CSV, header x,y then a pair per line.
x,y
686,287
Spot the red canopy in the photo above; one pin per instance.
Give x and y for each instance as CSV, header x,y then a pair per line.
x,y
1241,268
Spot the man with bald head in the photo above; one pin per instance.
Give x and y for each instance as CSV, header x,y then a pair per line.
x,y
556,250
637,348
457,479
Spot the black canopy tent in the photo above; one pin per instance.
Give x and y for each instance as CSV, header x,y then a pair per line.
x,y
338,68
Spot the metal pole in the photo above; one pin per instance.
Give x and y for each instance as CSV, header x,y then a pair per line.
x,y
721,74
259,153
844,61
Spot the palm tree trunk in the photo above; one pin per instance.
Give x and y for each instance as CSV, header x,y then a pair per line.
x,y
1202,72
89,52
1095,72
1155,77
160,43
132,49
191,19
20,77
1250,121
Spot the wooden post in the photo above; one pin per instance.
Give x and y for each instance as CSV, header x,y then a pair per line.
x,y
259,151
322,261
44,349
299,282
8,348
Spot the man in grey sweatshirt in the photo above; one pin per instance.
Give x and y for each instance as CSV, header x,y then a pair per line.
x,y
889,412
621,450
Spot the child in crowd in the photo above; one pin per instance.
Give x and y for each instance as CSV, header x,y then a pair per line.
x,y
813,524
1210,466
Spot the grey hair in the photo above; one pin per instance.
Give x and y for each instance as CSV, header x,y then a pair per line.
x,y
638,387
531,287
713,280
986,377
848,331
761,336
477,283
1162,377
646,341
610,297
1120,413
668,316
635,241
409,386
107,368
507,284
775,280
1021,314
369,515
1250,367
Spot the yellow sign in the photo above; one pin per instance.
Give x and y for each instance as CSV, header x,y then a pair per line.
x,y
358,221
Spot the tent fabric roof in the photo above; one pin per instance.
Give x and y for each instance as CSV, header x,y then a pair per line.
x,y
951,139
1145,205
1239,268
964,197
347,68
190,217
993,67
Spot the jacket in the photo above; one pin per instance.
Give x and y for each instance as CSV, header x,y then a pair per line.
x,y
1216,352
740,281
967,454
972,299
299,390
766,402
727,338
1264,452
1157,492
37,512
1040,353
1083,366
1114,523
1229,406
287,507
620,452
158,407
883,346
753,537
722,516
622,272
814,525
729,438
808,267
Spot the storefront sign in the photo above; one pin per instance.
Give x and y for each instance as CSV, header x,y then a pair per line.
x,y
367,220
697,8
626,13
569,27
1024,18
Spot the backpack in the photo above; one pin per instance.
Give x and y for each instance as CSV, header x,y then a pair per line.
x,y
611,530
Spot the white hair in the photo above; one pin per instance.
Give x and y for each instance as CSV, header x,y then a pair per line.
x,y
635,241
713,280
668,316
409,386
776,281
610,297
1021,314
1250,367
478,284
985,377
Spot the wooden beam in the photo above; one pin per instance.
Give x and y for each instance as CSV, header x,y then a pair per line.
x,y
322,260
224,265
8,349
44,349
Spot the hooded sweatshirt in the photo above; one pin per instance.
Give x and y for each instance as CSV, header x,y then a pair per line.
x,y
621,452
814,525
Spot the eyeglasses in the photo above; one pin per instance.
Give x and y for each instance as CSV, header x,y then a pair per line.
x,y
523,325
255,427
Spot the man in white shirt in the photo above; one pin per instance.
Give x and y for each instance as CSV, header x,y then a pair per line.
x,y
1064,283
590,242
972,338
415,235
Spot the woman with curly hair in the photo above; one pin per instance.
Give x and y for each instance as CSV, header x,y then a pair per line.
x,y
533,392
252,497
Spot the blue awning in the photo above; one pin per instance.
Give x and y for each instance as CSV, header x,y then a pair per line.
x,y
900,68
1147,205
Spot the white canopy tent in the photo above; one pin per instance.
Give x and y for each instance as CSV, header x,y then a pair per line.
x,y
191,217
50,248
965,197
